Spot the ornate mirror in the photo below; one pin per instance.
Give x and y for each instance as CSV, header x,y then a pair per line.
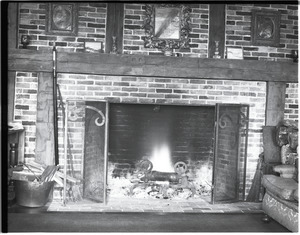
x,y
167,26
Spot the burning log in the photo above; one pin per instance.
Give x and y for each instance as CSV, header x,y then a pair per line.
x,y
161,176
175,180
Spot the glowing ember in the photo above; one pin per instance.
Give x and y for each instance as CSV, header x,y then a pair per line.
x,y
161,159
203,179
123,185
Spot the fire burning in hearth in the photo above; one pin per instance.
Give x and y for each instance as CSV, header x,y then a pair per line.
x,y
161,159
160,184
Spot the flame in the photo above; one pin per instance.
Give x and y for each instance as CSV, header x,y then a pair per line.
x,y
161,159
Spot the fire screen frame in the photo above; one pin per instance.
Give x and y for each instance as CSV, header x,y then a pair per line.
x,y
102,120
242,120
223,121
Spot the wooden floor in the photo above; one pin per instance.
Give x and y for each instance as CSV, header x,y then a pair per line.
x,y
139,222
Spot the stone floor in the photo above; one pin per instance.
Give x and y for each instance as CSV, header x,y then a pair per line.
x,y
191,205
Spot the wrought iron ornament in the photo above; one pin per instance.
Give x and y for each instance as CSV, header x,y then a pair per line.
x,y
77,112
226,121
153,41
97,119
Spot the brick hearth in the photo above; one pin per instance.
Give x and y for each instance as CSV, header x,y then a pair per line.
x,y
194,205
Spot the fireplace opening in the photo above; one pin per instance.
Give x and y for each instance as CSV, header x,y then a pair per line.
x,y
158,151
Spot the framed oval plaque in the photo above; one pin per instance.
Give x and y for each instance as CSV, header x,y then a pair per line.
x,y
62,18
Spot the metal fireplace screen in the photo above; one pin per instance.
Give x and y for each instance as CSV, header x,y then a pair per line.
x,y
95,151
86,149
230,152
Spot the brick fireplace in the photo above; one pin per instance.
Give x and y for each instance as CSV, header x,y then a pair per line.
x,y
164,135
160,93
141,76
152,90
143,90
118,136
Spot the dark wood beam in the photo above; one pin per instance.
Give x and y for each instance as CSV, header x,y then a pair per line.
x,y
154,66
29,61
114,26
11,41
45,149
10,95
12,34
216,29
275,103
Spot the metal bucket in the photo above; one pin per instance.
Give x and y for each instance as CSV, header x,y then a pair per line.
x,y
32,194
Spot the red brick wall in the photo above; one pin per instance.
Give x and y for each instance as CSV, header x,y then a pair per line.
x,y
91,27
187,132
238,31
291,102
134,33
92,19
25,107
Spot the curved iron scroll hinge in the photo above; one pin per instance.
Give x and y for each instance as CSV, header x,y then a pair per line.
x,y
97,119
222,122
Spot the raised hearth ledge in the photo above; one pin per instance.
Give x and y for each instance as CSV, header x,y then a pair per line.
x,y
152,66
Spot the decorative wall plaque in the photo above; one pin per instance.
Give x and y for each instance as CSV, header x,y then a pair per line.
x,y
167,26
62,18
93,47
235,53
265,28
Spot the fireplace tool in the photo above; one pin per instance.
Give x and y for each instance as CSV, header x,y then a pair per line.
x,y
55,126
74,191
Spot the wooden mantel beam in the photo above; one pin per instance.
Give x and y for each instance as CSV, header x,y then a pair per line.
x,y
29,61
154,66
